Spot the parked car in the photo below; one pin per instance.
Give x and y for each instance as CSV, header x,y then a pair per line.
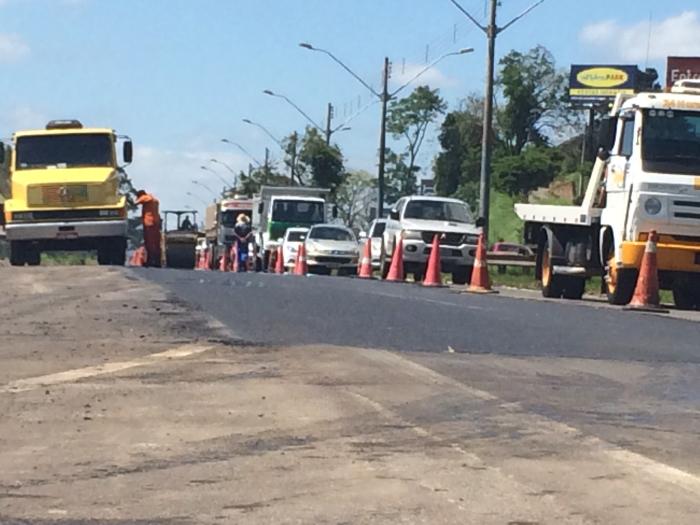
x,y
331,247
293,237
418,219
376,236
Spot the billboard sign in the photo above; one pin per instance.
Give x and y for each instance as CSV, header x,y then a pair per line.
x,y
597,84
682,68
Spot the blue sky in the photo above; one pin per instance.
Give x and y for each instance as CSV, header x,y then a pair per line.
x,y
178,75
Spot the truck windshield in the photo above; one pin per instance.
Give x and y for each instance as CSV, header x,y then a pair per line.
x,y
438,211
328,233
671,141
297,211
65,151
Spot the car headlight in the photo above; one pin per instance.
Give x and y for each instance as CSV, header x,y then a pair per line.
x,y
471,238
23,216
652,206
412,235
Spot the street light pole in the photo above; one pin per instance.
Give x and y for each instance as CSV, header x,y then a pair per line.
x,y
384,97
329,119
491,31
248,154
382,140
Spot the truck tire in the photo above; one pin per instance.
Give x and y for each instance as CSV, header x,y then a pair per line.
x,y
574,287
462,275
686,295
619,284
552,284
33,256
104,254
118,255
17,253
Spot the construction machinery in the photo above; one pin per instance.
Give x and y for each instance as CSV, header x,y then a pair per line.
x,y
180,236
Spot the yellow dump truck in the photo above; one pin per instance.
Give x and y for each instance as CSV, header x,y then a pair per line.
x,y
64,192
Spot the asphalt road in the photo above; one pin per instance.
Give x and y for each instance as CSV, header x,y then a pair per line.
x,y
327,310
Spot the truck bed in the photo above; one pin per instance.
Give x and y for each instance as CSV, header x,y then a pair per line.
x,y
554,214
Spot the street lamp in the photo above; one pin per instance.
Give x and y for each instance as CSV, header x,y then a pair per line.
x,y
266,131
384,97
229,168
280,144
207,168
200,199
198,183
327,131
236,144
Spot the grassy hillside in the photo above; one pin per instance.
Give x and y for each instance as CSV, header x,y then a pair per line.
x,y
505,224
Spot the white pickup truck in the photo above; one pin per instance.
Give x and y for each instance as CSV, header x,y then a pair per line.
x,y
418,219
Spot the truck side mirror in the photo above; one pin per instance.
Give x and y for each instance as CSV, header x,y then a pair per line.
x,y
334,211
480,222
128,152
603,154
2,153
606,133
260,208
394,215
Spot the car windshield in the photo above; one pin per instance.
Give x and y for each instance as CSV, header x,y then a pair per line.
x,y
671,141
328,233
297,211
438,211
69,151
378,229
296,236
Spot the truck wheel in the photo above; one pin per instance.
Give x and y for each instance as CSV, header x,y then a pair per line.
x,y
104,254
17,253
574,287
619,284
686,296
33,256
462,275
552,284
118,256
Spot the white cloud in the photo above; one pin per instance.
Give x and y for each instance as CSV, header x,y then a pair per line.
x,y
402,73
675,35
168,174
12,48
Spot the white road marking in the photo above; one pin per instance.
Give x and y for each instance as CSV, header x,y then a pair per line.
x,y
660,471
68,376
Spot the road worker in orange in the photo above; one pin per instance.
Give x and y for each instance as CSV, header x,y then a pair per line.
x,y
150,216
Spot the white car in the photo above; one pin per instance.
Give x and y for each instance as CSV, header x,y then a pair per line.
x,y
331,247
293,237
418,219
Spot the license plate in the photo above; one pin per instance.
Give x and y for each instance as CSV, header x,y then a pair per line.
x,y
67,235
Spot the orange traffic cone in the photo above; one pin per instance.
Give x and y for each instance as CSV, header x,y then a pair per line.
x,y
433,277
209,260
396,273
272,263
646,293
300,267
234,258
480,281
223,262
279,267
365,269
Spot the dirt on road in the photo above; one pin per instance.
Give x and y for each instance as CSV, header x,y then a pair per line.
x,y
119,404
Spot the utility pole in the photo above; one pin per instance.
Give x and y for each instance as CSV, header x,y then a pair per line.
x,y
267,165
329,119
382,140
292,169
492,31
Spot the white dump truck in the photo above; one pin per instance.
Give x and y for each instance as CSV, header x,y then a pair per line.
x,y
219,221
646,178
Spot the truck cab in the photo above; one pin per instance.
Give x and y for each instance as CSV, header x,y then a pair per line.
x,y
646,178
65,193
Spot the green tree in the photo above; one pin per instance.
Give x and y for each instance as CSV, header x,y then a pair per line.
x,y
409,119
400,179
519,174
535,99
354,198
458,164
322,163
291,157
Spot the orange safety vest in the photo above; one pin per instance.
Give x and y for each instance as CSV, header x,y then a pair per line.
x,y
150,212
